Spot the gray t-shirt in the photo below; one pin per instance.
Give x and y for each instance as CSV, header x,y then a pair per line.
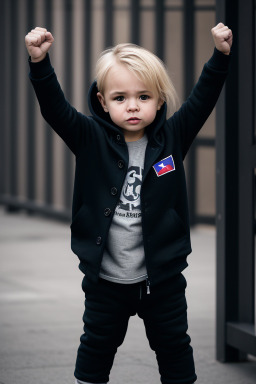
x,y
123,258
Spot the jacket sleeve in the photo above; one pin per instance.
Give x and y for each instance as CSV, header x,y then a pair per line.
x,y
193,113
69,124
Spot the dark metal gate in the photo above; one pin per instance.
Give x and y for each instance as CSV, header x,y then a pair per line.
x,y
236,193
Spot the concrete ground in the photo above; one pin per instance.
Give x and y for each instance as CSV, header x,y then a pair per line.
x,y
41,307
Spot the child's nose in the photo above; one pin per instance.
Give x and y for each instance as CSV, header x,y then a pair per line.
x,y
133,106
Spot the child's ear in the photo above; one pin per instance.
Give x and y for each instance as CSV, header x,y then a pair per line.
x,y
102,101
160,103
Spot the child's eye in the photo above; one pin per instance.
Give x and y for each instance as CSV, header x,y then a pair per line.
x,y
144,97
119,98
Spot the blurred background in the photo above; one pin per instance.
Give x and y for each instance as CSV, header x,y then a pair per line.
x,y
36,168
36,177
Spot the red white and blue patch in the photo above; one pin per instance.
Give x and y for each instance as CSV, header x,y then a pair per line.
x,y
164,166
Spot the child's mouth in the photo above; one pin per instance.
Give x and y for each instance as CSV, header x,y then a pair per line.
x,y
133,120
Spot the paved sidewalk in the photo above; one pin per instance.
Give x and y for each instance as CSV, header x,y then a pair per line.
x,y
41,307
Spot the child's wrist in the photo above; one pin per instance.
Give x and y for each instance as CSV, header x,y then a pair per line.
x,y
38,59
41,68
224,52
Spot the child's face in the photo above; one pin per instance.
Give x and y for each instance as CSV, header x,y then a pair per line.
x,y
129,102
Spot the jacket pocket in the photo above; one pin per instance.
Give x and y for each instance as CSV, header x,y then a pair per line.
x,y
80,221
177,225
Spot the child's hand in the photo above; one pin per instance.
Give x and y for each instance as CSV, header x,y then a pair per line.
x,y
38,43
223,38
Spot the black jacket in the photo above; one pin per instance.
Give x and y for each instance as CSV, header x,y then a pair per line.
x,y
101,166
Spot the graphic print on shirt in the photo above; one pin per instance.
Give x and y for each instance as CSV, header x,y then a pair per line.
x,y
130,196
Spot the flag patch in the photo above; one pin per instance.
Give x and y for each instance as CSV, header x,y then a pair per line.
x,y
164,166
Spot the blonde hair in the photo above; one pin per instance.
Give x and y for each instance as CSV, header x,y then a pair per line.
x,y
143,64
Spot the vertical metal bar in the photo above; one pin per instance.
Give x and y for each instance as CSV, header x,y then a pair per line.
x,y
3,127
68,59
7,96
227,195
68,48
160,29
30,121
221,213
135,21
189,46
108,23
220,230
189,72
48,132
87,48
14,102
246,132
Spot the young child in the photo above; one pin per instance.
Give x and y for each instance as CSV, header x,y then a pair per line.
x,y
130,226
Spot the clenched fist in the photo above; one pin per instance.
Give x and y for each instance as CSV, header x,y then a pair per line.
x,y
38,43
223,38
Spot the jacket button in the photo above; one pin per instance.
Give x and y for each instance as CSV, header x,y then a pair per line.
x,y
107,211
113,191
99,240
118,137
120,164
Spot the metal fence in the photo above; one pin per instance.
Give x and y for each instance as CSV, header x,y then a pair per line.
x,y
36,168
236,191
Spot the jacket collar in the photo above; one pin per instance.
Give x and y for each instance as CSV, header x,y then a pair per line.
x,y
153,130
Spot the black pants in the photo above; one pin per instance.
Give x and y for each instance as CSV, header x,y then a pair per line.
x,y
108,307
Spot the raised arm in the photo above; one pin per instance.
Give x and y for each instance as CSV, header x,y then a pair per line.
x,y
190,118
63,118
